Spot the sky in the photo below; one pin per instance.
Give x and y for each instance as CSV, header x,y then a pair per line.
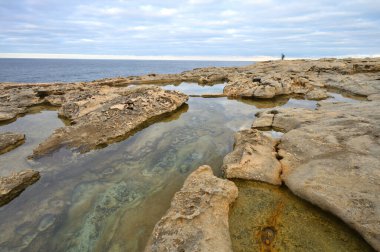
x,y
189,28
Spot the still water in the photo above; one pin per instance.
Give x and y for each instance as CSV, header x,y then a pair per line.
x,y
110,199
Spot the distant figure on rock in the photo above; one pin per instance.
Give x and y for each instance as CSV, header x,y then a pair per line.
x,y
282,56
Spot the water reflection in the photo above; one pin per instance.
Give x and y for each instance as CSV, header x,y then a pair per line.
x,y
195,89
36,126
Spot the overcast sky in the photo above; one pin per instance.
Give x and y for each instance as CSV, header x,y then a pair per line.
x,y
191,27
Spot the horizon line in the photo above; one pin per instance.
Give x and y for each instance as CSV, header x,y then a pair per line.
x,y
163,57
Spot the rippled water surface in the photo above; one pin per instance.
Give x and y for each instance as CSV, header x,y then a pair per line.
x,y
72,70
110,199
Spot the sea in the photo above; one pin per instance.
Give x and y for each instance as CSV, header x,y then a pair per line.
x,y
74,70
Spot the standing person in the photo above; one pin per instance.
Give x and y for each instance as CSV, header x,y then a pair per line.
x,y
282,56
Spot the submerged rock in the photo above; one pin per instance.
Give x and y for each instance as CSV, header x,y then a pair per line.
x,y
331,157
253,158
271,218
10,141
198,217
12,186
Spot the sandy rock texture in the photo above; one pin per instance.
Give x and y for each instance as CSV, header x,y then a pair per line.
x,y
10,141
331,157
253,158
12,186
198,217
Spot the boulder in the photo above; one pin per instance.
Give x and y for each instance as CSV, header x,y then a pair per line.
x,y
253,158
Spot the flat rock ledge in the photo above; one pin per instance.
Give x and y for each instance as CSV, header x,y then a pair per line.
x,y
253,158
12,186
198,217
109,116
331,158
311,78
10,141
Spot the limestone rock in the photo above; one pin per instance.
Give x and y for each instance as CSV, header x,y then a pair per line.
x,y
253,158
285,120
9,141
198,217
107,118
305,77
12,186
331,157
317,94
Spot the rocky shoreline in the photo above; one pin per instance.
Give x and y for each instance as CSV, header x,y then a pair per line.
x,y
329,156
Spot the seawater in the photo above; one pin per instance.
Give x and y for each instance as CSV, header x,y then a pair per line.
x,y
110,199
70,70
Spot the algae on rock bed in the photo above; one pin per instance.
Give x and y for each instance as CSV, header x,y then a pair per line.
x,y
270,218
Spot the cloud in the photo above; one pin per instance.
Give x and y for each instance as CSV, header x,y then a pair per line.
x,y
151,10
191,27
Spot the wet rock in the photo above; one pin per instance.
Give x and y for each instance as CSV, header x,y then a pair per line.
x,y
331,157
12,186
109,117
198,217
253,158
10,141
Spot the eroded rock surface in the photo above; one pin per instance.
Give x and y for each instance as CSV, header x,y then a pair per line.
x,y
12,186
198,217
10,141
109,115
331,157
307,77
253,158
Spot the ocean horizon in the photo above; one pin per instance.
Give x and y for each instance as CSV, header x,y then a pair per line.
x,y
77,70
